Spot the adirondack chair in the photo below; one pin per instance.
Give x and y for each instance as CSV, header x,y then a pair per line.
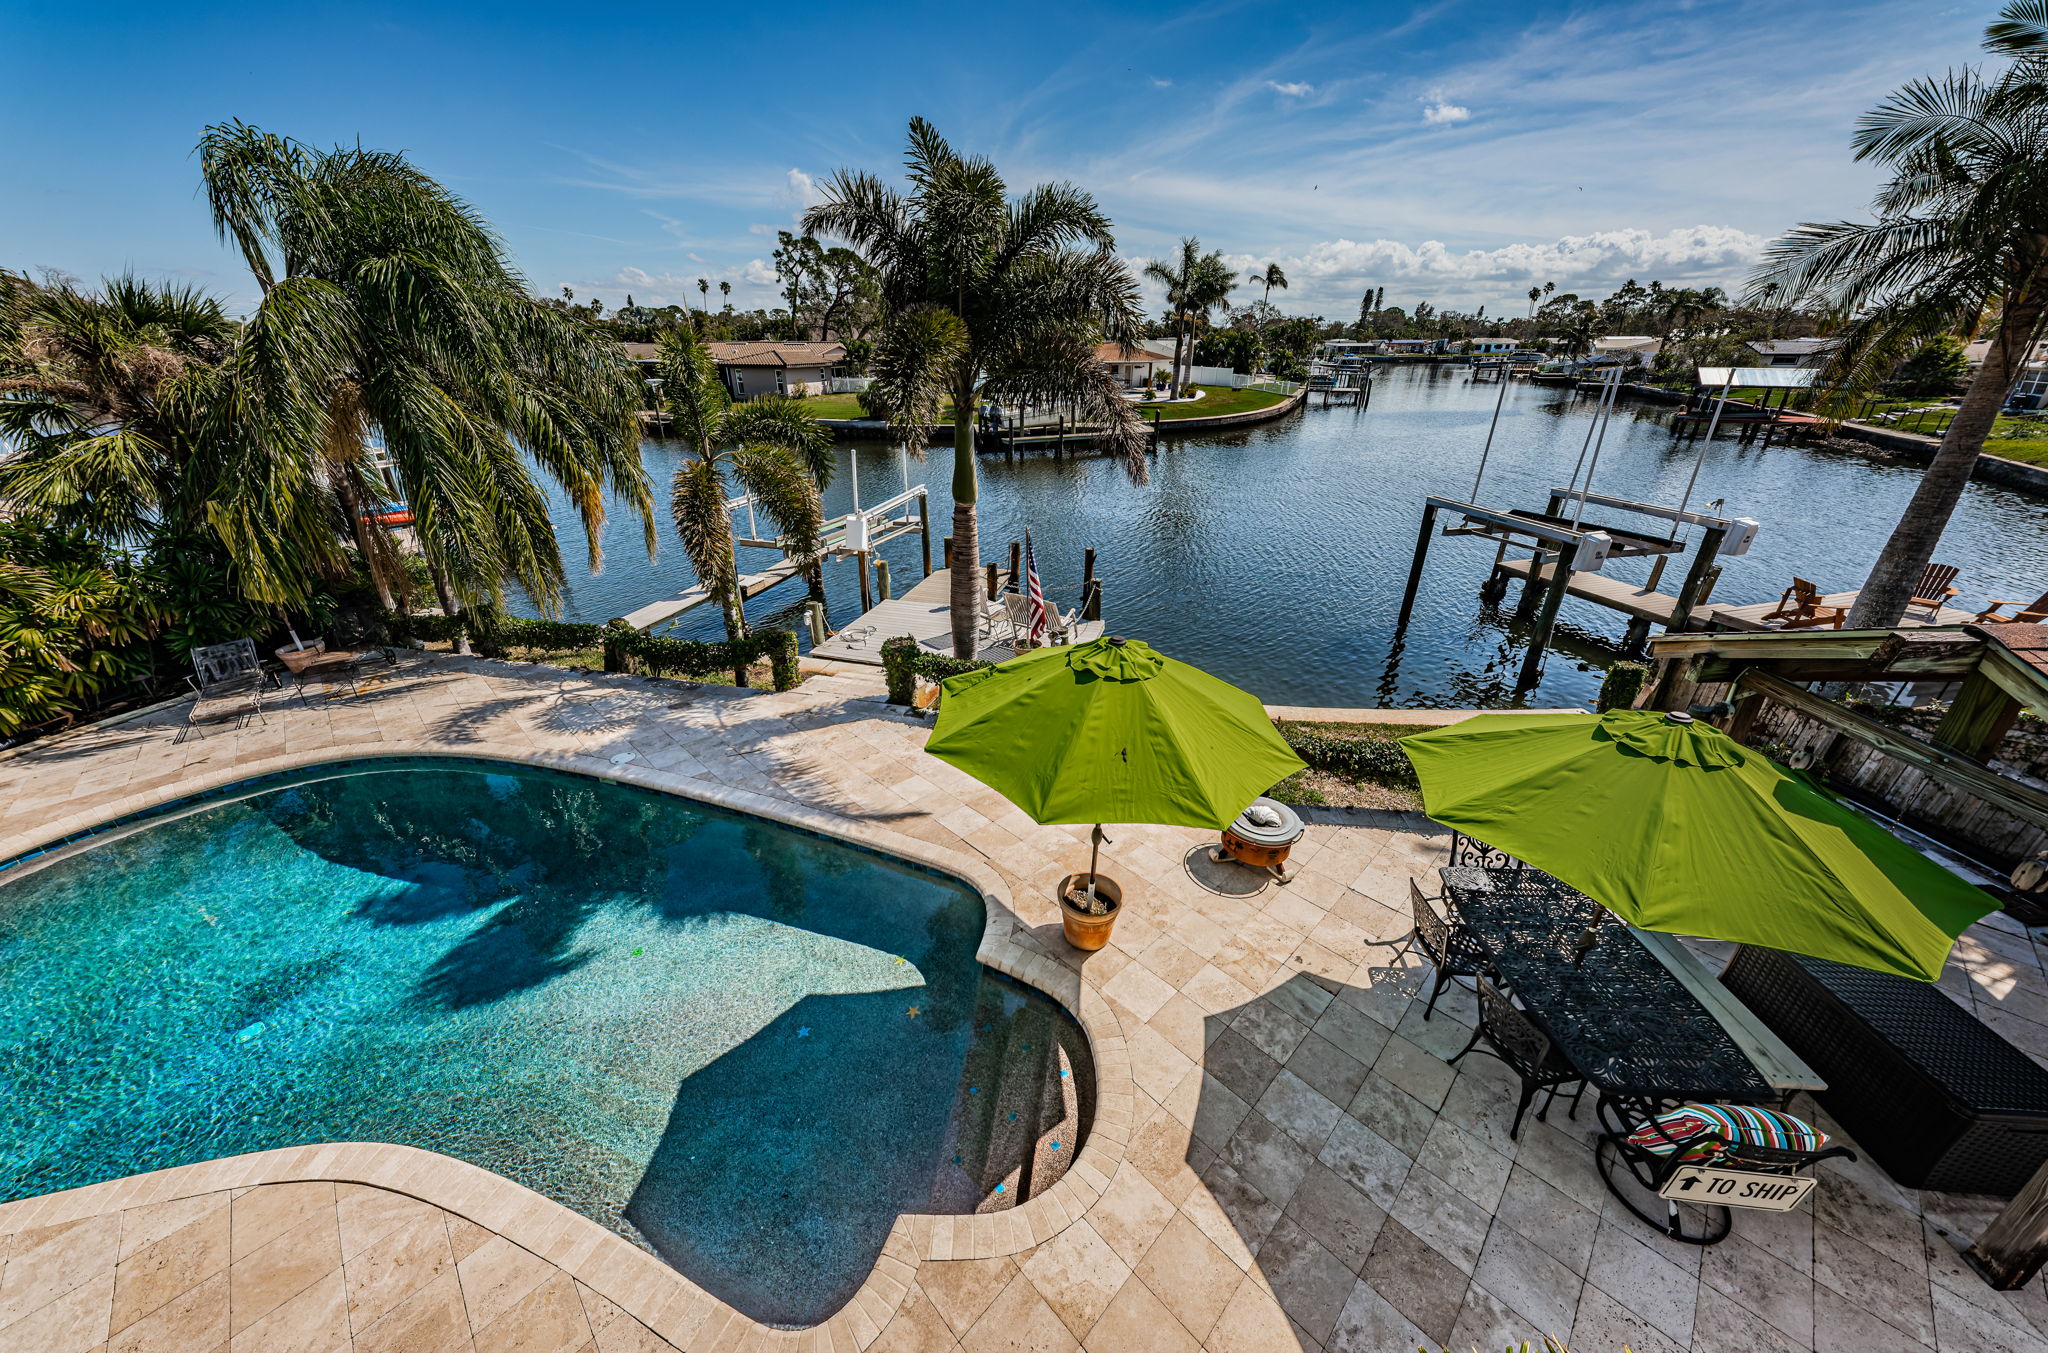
x,y
1059,625
2035,613
1936,586
1801,608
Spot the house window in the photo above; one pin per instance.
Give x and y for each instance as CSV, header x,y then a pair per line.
x,y
739,382
781,381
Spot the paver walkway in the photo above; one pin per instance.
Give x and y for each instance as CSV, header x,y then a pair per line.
x,y
1299,1167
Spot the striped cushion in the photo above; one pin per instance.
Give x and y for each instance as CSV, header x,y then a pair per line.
x,y
1735,1123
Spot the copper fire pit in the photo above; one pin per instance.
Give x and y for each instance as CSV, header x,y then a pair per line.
x,y
1261,837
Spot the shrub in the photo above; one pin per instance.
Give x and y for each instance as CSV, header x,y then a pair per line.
x,y
1622,684
1352,754
903,662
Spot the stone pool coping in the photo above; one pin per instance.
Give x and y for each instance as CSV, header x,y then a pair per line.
x,y
649,1289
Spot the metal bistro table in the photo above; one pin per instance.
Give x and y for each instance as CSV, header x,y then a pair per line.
x,y
1638,1034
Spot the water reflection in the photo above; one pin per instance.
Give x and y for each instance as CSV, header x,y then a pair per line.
x,y
1275,556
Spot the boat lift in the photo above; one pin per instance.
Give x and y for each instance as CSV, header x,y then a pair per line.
x,y
857,535
1567,553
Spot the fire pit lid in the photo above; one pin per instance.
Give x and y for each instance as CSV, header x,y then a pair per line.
x,y
1268,822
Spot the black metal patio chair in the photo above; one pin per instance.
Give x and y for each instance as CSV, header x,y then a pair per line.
x,y
1511,1036
1448,947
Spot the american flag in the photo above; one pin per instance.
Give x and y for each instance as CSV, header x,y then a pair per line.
x,y
1040,622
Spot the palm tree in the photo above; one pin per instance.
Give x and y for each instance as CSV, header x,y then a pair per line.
x,y
1535,295
704,292
1195,283
1270,278
390,313
1959,226
772,448
725,290
112,403
982,291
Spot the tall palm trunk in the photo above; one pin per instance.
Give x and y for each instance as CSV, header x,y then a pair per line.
x,y
449,606
366,543
963,570
1180,351
1911,546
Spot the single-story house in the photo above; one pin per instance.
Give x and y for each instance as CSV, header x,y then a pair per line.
x,y
1335,349
1415,345
2031,390
1791,351
1491,347
1132,365
751,369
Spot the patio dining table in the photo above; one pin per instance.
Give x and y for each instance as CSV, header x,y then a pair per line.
x,y
1637,1034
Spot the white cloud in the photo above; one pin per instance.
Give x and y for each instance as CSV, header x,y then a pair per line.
x,y
1331,273
1439,112
1160,82
1293,89
804,189
759,273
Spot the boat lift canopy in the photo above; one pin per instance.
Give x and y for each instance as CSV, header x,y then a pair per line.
x,y
1758,377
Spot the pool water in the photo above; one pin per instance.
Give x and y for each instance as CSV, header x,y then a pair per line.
x,y
737,1044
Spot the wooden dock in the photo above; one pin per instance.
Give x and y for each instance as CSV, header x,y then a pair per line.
x,y
1752,617
925,614
668,608
1635,602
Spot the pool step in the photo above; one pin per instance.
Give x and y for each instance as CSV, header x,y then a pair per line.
x,y
1021,1108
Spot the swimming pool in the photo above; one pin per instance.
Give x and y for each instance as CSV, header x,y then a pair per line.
x,y
744,1047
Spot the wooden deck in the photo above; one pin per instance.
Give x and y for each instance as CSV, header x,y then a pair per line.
x,y
1752,617
924,613
1612,593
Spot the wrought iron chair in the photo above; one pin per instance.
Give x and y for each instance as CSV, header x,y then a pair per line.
x,y
1688,1223
1468,853
1513,1037
228,682
1449,948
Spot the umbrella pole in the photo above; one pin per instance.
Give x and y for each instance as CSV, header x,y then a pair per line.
x,y
1094,853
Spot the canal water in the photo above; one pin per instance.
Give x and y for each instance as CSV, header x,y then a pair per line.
x,y
1274,556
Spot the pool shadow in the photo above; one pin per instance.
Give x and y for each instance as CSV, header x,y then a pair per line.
x,y
844,1127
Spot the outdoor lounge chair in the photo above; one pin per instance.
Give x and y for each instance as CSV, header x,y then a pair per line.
x,y
2035,613
228,680
1513,1037
1059,628
1649,1152
1801,608
1936,586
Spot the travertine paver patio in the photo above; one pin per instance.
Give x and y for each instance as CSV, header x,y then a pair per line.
x,y
1298,1168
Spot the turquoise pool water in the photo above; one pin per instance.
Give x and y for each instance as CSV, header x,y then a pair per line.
x,y
739,1045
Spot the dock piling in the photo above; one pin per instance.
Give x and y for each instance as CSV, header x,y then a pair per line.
x,y
814,611
994,587
1415,569
924,532
882,579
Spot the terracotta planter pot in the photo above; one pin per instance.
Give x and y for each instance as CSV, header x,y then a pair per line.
x,y
297,658
1084,931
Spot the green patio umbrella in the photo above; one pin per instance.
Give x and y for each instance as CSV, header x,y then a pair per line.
x,y
1673,825
1111,731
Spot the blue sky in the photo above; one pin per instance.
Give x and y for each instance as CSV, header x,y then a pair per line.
x,y
1450,150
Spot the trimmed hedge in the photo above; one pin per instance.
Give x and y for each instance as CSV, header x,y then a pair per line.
x,y
625,648
1381,758
628,650
903,662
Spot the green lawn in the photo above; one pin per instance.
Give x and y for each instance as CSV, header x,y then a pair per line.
x,y
1216,400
